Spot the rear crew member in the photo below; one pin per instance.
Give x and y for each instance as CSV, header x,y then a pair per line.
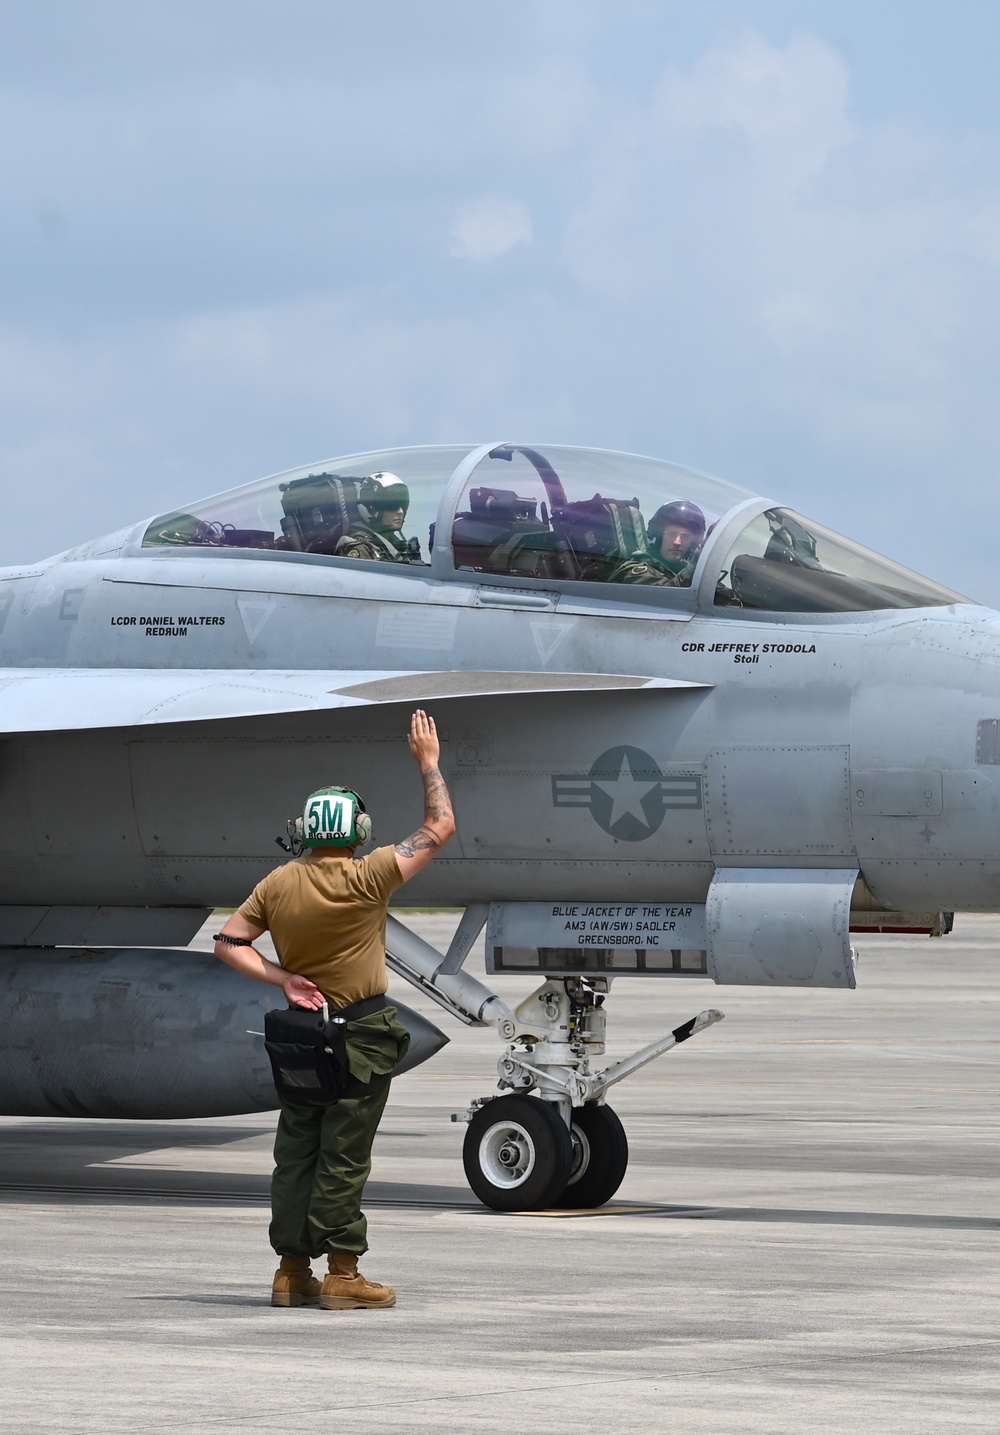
x,y
326,912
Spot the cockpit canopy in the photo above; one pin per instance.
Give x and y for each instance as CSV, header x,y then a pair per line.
x,y
309,510
585,515
553,516
784,563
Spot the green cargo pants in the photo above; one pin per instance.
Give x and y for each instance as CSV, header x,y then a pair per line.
x,y
322,1152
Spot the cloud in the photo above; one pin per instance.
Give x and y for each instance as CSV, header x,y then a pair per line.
x,y
487,228
844,278
226,272
100,432
786,105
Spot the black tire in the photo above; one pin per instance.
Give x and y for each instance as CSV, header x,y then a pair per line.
x,y
600,1158
517,1154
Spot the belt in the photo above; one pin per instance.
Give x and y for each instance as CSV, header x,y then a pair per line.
x,y
360,1009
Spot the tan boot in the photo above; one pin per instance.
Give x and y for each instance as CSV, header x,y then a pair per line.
x,y
294,1283
345,1288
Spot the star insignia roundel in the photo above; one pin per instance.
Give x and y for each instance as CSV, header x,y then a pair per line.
x,y
626,793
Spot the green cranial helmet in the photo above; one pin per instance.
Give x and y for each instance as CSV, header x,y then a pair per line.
x,y
333,817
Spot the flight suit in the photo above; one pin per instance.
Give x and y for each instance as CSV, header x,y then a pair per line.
x,y
378,545
646,570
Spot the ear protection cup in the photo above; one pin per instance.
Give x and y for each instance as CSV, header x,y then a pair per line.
x,y
362,822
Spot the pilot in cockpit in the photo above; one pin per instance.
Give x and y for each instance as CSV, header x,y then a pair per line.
x,y
383,501
675,534
674,538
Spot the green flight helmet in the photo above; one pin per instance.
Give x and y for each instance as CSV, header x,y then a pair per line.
x,y
334,817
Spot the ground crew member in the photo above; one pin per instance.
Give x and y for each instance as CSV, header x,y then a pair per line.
x,y
326,912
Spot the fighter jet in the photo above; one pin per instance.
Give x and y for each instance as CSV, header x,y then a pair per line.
x,y
690,735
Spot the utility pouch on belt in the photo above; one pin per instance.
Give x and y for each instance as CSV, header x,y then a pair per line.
x,y
308,1049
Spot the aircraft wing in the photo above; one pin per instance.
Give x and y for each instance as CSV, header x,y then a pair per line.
x,y
76,699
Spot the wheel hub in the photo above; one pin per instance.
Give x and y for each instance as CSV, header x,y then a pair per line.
x,y
581,1154
507,1154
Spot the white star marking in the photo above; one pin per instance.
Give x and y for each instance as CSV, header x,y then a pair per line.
x,y
627,794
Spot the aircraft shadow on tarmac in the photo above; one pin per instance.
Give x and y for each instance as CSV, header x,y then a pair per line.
x,y
78,1161
84,1160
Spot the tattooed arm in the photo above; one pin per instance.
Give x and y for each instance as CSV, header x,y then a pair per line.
x,y
300,991
439,821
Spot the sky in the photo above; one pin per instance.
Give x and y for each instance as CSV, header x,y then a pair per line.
x,y
760,238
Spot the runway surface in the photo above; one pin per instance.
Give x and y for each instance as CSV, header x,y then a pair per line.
x,y
807,1240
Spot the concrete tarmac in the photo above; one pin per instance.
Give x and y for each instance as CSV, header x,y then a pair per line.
x,y
807,1239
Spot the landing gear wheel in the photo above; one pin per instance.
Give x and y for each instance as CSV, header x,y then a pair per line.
x,y
517,1154
600,1158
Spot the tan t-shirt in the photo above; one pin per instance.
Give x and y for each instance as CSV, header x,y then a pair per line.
x,y
326,913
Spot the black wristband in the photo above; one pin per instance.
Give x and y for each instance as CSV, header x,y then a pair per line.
x,y
232,941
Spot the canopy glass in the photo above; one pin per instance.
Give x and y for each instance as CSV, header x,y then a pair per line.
x,y
784,563
588,515
309,510
552,516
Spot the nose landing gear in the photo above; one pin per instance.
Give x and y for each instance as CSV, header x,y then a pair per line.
x,y
563,1148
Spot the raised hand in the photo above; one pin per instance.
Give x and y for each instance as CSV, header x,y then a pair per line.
x,y
423,740
416,851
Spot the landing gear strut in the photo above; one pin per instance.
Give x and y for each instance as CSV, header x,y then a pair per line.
x,y
563,1147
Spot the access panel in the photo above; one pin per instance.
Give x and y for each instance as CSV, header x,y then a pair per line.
x,y
779,802
781,927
